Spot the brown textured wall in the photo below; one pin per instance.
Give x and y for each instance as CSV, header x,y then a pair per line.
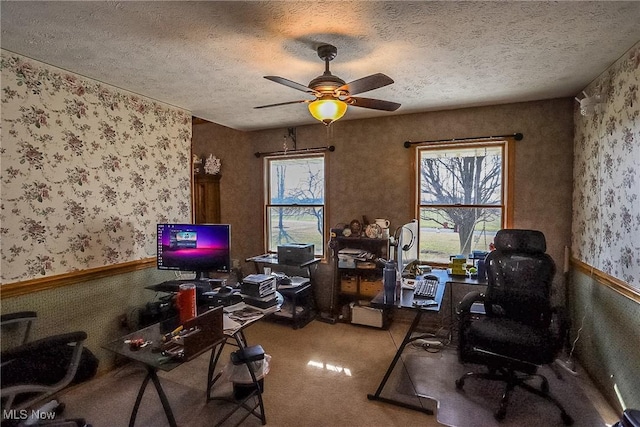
x,y
240,184
370,173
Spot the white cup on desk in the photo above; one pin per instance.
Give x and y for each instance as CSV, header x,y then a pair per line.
x,y
267,271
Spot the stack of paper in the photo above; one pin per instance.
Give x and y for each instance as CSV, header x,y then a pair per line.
x,y
259,290
237,315
258,285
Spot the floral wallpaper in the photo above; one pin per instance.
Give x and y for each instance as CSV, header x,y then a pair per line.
x,y
88,170
606,193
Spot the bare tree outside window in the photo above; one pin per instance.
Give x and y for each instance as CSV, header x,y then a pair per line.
x,y
461,199
295,207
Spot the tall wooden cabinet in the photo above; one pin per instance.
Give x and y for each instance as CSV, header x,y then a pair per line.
x,y
206,199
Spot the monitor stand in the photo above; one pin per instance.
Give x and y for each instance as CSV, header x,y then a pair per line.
x,y
203,278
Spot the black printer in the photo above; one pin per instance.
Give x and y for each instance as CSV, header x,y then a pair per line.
x,y
295,253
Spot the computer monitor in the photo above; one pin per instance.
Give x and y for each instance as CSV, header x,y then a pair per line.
x,y
200,248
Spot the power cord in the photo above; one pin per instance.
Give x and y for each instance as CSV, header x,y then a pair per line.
x,y
569,363
429,345
432,342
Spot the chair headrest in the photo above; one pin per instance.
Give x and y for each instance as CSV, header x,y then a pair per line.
x,y
514,240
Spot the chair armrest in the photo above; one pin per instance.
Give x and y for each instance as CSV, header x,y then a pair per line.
x,y
464,306
44,345
20,316
38,369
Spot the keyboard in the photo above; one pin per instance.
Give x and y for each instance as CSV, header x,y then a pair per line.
x,y
426,288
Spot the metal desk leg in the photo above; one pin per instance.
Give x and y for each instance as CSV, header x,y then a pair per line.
x,y
241,342
213,362
294,317
407,339
451,317
153,376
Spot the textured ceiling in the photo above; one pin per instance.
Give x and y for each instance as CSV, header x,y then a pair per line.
x,y
209,57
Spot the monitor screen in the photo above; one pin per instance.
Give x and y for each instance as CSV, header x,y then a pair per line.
x,y
194,247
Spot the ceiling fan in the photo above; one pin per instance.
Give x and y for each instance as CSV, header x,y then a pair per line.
x,y
332,94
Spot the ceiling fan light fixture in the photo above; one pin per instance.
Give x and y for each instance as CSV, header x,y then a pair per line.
x,y
333,95
327,110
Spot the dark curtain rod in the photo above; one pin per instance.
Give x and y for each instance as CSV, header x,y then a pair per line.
x,y
517,136
296,151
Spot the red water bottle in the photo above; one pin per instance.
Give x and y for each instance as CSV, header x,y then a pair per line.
x,y
187,302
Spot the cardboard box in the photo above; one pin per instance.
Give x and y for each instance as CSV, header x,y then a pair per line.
x,y
349,284
368,316
370,287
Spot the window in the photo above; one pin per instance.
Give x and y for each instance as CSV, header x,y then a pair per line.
x,y
462,196
295,201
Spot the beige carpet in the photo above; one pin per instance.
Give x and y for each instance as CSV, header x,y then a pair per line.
x,y
320,375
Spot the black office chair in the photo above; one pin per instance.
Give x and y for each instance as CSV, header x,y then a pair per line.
x,y
521,330
36,370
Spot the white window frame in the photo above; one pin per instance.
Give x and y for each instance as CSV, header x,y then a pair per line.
x,y
267,205
508,159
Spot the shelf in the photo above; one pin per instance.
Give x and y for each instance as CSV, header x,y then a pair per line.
x,y
351,281
298,298
289,314
273,259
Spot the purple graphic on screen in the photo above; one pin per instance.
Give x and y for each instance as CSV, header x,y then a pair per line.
x,y
194,247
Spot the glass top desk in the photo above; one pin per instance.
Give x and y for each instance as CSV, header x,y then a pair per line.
x,y
406,301
272,259
213,336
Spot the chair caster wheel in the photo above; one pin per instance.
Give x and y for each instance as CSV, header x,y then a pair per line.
x,y
566,419
459,384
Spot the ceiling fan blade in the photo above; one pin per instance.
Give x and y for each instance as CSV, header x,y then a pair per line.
x,y
375,104
290,84
282,103
365,84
